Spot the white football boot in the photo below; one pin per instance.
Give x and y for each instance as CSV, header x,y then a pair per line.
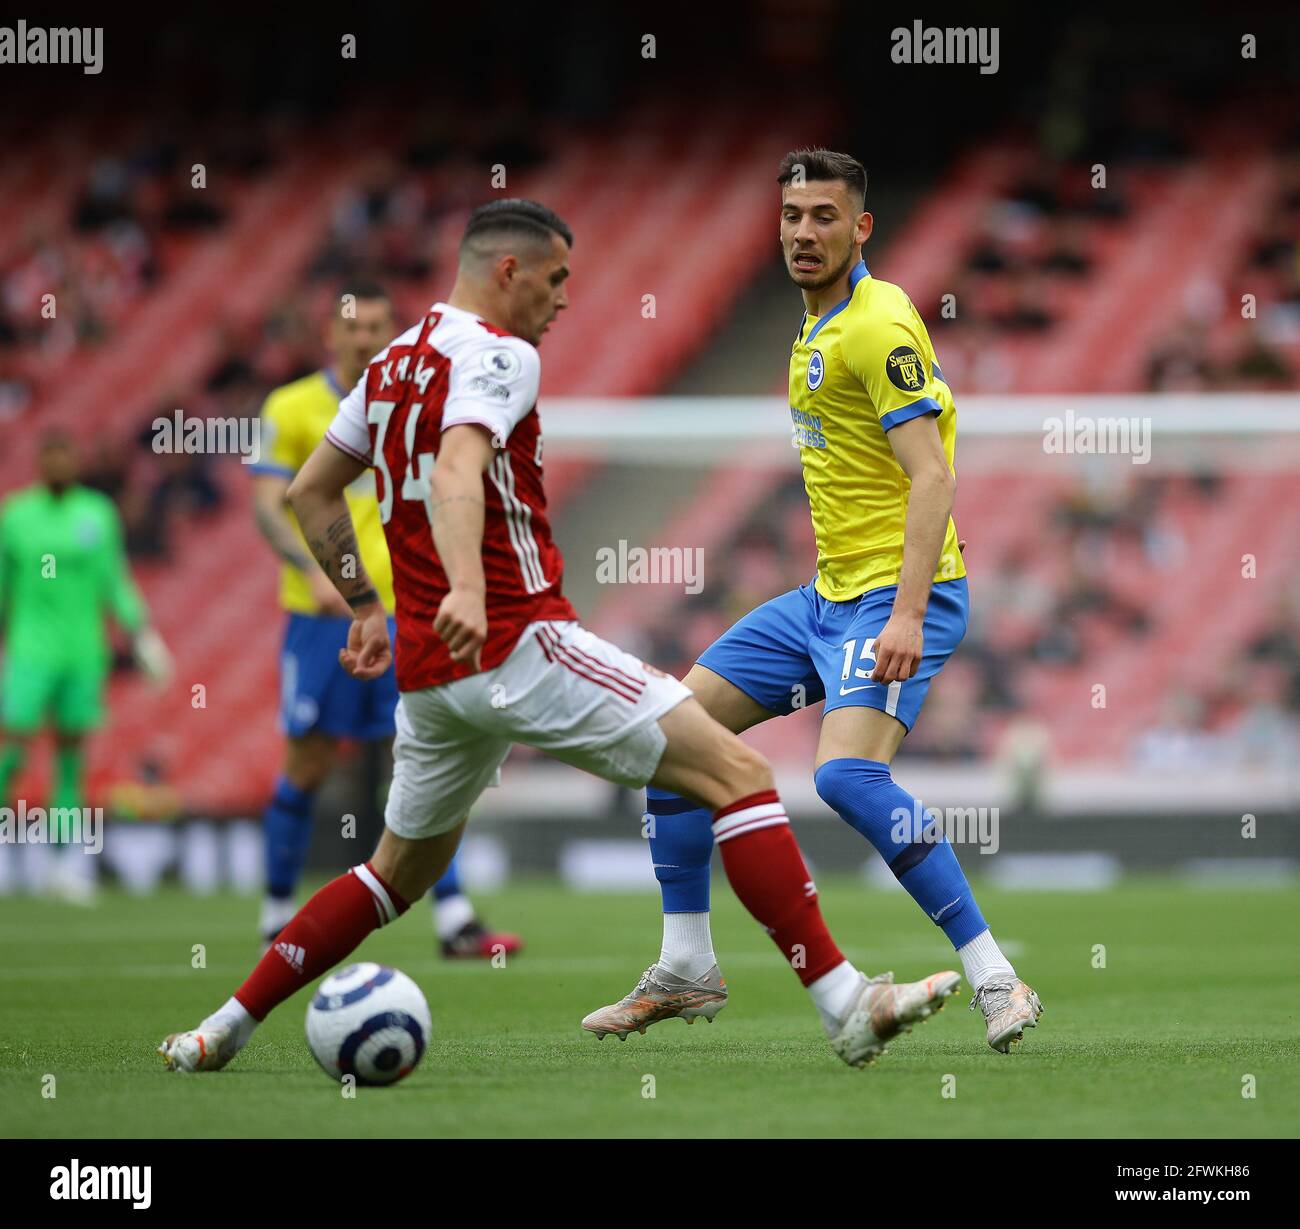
x,y
1010,1007
660,995
206,1048
883,1010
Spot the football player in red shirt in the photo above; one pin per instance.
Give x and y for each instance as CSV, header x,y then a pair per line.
x,y
490,653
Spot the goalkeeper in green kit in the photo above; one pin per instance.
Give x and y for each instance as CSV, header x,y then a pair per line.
x,y
62,570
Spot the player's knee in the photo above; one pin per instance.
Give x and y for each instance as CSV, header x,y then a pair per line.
x,y
847,785
307,763
744,770
306,777
403,870
835,784
863,794
411,866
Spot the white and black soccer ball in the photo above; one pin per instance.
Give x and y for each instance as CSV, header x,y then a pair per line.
x,y
370,1022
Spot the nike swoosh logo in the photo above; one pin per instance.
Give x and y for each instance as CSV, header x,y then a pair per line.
x,y
936,916
844,691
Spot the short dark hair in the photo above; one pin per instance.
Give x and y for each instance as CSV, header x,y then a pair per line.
x,y
820,164
518,217
361,289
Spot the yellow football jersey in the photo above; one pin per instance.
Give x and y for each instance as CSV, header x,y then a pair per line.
x,y
294,420
863,368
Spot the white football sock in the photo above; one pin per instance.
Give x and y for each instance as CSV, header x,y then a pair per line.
x,y
688,945
834,993
232,1014
982,959
277,913
450,915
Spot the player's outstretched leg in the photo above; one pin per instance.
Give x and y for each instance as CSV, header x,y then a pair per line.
x,y
325,930
916,849
685,981
765,868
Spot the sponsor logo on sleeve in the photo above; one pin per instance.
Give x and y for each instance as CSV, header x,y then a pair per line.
x,y
905,369
489,388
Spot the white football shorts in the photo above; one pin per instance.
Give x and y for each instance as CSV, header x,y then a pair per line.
x,y
563,690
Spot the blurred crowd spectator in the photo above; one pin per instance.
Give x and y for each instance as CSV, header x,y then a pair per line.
x,y
1245,336
154,491
1041,247
69,282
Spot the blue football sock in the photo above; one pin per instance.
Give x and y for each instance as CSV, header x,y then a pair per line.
x,y
286,830
681,846
449,884
866,797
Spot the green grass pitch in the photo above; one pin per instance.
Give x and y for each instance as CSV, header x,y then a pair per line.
x,y
1198,992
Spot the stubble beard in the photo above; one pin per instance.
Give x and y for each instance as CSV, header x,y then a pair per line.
x,y
827,279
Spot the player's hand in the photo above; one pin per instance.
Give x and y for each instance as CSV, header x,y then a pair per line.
x,y
329,601
462,625
368,654
898,650
152,656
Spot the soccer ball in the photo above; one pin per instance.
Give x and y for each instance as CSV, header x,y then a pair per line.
x,y
370,1022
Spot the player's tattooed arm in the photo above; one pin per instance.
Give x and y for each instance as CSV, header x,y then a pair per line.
x,y
316,496
339,557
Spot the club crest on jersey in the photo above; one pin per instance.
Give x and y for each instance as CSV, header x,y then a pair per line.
x,y
816,371
905,369
502,364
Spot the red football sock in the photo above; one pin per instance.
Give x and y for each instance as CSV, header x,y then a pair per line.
x,y
767,872
322,932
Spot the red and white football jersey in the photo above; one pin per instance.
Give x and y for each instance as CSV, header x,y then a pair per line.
x,y
454,368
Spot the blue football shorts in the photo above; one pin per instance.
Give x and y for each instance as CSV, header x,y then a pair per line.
x,y
800,648
318,694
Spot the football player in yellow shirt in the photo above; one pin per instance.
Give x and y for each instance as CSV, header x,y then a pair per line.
x,y
320,702
875,424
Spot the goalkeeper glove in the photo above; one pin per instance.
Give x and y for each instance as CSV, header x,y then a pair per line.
x,y
152,656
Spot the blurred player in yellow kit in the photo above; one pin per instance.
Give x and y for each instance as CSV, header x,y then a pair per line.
x,y
320,702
